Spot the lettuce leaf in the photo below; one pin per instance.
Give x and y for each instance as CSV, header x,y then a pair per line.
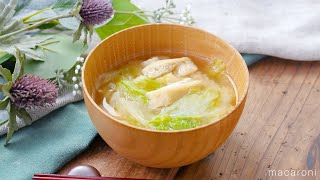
x,y
174,123
194,104
129,90
217,68
134,111
136,89
188,112
147,84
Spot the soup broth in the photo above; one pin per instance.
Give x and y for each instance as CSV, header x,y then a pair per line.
x,y
166,93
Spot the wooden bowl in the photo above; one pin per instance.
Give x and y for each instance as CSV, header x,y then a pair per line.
x,y
153,148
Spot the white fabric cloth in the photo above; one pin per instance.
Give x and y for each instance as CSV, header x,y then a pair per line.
x,y
284,28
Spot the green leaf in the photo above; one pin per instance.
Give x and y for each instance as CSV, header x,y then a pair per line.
x,y
217,68
64,4
77,33
38,15
24,115
136,89
174,123
6,13
19,66
8,23
22,4
120,21
33,6
189,111
11,26
4,57
130,90
64,7
4,103
38,10
12,124
6,88
26,46
196,104
147,84
70,23
5,73
48,25
64,56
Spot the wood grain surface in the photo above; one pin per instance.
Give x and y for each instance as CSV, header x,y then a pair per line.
x,y
110,164
279,130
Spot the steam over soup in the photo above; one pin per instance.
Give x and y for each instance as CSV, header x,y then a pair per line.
x,y
164,93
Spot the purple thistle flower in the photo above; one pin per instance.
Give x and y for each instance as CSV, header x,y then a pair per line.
x,y
31,91
95,12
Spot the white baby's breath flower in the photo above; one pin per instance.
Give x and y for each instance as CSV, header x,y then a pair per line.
x,y
73,80
185,16
77,84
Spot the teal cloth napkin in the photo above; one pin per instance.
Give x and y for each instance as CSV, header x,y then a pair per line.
x,y
49,143
252,58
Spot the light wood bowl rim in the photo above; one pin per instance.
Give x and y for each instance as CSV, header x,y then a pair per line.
x,y
89,97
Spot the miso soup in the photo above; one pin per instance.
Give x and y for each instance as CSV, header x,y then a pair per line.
x,y
164,93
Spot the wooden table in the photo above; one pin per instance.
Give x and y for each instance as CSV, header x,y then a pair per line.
x,y
278,130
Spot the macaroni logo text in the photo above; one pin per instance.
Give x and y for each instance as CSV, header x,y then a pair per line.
x,y
292,173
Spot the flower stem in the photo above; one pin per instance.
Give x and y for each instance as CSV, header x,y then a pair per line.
x,y
36,13
36,25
